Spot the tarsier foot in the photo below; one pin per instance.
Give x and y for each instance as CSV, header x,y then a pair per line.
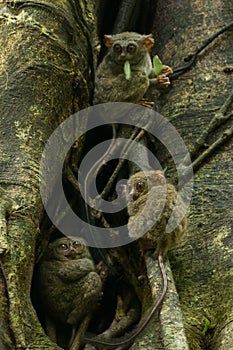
x,y
146,103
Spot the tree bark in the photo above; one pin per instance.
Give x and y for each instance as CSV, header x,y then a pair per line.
x,y
46,75
44,79
202,264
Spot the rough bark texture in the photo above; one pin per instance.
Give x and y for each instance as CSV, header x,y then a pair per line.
x,y
46,58
202,265
44,73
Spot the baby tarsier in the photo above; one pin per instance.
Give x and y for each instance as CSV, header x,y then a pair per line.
x,y
111,84
69,286
149,190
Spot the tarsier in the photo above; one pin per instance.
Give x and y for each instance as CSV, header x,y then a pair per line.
x,y
69,286
150,189
111,84
151,186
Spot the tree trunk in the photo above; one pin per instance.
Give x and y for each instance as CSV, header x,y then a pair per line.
x,y
44,79
46,75
202,264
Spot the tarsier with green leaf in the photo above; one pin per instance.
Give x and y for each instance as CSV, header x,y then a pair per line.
x,y
126,72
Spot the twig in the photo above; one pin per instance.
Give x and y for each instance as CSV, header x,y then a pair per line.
x,y
191,59
216,121
97,214
222,139
136,136
69,175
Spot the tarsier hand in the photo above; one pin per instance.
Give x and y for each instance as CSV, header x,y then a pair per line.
x,y
163,79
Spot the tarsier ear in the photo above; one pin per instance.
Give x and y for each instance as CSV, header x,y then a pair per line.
x,y
159,177
108,40
158,172
148,41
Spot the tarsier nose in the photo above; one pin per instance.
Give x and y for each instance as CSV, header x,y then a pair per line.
x,y
72,252
123,56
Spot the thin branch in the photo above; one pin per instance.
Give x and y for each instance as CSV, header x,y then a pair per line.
x,y
191,59
136,136
69,175
219,119
227,134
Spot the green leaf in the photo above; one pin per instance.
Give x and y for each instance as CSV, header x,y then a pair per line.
x,y
158,66
207,325
127,70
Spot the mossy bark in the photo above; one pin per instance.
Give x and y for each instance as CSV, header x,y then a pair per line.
x,y
202,264
46,59
44,79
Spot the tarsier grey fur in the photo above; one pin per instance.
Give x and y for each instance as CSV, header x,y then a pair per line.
x,y
69,286
110,82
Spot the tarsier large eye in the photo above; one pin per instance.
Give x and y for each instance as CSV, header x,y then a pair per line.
x,y
140,185
63,246
117,48
131,48
77,244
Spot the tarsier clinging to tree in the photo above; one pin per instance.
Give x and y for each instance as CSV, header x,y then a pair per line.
x,y
69,286
111,82
150,188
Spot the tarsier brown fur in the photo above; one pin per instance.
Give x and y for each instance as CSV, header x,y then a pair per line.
x,y
148,190
68,284
110,82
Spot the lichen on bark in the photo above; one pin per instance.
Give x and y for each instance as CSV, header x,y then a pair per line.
x,y
44,79
46,75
